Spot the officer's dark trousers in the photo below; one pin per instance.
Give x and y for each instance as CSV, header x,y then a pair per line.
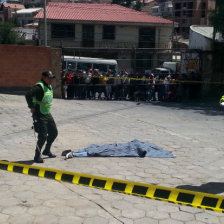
x,y
47,131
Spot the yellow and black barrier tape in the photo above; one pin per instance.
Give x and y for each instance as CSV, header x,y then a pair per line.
x,y
171,81
174,195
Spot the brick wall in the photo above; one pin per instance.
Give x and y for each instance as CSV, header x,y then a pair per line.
x,y
21,66
56,67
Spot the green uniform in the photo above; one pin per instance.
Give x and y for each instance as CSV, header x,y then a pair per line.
x,y
40,97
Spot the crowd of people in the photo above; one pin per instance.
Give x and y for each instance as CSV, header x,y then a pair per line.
x,y
92,84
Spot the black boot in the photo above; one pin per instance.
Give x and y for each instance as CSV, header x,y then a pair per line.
x,y
37,157
47,152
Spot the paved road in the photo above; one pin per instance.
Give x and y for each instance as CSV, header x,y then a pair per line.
x,y
194,133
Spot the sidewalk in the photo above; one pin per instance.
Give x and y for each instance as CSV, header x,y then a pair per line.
x,y
194,136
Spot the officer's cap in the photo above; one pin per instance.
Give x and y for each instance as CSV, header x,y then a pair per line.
x,y
48,74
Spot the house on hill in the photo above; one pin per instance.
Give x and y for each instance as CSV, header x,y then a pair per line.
x,y
137,40
26,16
7,10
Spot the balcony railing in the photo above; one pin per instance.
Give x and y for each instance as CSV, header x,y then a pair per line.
x,y
104,44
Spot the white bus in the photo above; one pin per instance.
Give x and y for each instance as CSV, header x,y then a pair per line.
x,y
85,63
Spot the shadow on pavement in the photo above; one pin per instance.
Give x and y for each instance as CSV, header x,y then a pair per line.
x,y
205,108
211,188
27,162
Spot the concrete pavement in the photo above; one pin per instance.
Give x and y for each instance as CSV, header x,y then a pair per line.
x,y
193,133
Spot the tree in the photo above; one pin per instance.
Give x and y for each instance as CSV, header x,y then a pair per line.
x,y
7,34
138,5
128,3
33,5
217,17
135,4
14,21
118,2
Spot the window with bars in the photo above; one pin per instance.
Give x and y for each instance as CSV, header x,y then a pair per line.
x,y
203,8
190,5
178,6
108,32
62,31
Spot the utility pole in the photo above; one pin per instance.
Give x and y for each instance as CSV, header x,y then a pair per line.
x,y
45,25
172,37
214,28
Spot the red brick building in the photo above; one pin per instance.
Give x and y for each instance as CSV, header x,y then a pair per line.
x,y
191,12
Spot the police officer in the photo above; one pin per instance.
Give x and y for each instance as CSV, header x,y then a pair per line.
x,y
39,100
221,101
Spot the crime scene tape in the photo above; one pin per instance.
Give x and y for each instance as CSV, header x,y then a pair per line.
x,y
171,81
174,195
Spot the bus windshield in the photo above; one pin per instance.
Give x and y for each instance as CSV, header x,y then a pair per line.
x,y
101,67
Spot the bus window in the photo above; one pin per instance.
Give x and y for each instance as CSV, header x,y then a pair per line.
x,y
71,65
84,66
101,67
113,68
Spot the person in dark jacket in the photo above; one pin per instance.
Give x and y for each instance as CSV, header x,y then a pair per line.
x,y
39,99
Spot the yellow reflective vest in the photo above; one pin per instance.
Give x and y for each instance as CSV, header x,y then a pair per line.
x,y
222,99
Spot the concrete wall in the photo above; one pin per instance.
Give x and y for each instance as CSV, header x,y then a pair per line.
x,y
163,37
22,66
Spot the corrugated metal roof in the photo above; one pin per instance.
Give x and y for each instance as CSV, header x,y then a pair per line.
x,y
148,1
27,11
206,31
98,12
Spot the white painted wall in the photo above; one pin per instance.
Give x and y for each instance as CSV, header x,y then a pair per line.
x,y
163,37
127,34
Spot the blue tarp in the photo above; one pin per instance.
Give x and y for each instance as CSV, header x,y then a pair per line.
x,y
133,148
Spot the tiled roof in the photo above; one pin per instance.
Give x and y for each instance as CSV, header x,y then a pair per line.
x,y
98,13
14,6
148,1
